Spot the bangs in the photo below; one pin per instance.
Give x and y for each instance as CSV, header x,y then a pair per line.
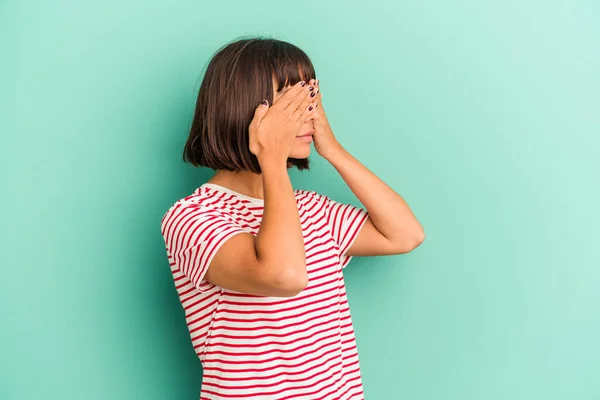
x,y
238,77
290,65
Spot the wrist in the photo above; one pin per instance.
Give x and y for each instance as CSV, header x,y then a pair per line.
x,y
271,164
333,152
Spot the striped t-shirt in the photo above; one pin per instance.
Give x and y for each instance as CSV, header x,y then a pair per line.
x,y
259,347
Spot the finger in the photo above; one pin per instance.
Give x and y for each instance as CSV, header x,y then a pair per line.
x,y
305,107
302,107
299,99
307,113
288,96
317,100
259,113
315,82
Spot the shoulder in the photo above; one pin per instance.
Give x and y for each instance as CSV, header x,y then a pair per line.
x,y
313,200
198,203
308,195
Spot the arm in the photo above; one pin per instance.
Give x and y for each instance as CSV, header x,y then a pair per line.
x,y
391,227
273,263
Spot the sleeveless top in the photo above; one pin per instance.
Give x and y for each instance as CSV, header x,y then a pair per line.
x,y
258,347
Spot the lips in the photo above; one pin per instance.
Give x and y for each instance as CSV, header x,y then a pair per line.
x,y
307,134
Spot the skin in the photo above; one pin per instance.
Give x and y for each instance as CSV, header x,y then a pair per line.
x,y
301,148
251,184
273,263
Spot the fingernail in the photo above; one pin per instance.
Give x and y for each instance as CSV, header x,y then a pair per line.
x,y
312,94
265,102
303,83
311,88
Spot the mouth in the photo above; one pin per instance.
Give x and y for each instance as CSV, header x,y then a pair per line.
x,y
309,133
307,137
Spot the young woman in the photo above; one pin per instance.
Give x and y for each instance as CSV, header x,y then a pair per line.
x,y
258,265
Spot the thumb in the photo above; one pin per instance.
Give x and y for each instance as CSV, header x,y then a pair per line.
x,y
260,111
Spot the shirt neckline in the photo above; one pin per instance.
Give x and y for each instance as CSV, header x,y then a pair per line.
x,y
220,188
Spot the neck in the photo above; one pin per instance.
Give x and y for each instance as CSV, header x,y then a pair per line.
x,y
244,182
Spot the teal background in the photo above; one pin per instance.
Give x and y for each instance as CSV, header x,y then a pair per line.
x,y
484,116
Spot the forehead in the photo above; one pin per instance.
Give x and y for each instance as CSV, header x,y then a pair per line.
x,y
284,89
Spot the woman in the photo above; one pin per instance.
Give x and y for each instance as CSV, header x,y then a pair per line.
x,y
258,265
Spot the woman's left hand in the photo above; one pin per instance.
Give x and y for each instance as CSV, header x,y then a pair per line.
x,y
324,140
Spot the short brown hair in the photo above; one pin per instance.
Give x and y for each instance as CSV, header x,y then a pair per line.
x,y
238,77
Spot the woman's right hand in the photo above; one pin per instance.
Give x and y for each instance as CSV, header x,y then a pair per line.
x,y
273,129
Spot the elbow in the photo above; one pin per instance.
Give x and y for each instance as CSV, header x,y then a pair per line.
x,y
420,238
289,282
296,286
409,245
295,282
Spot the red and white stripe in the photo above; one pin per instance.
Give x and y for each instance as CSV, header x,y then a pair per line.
x,y
257,347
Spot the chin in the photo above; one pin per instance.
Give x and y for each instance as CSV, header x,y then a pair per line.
x,y
300,152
